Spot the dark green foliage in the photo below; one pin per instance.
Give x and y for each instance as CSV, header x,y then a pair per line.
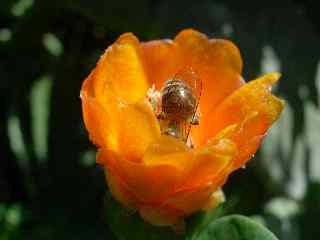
x,y
47,170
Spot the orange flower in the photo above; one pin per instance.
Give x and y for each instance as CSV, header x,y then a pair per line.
x,y
156,174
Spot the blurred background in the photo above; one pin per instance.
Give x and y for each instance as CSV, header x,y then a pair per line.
x,y
50,187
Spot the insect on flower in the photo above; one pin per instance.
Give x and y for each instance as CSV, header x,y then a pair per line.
x,y
146,121
179,99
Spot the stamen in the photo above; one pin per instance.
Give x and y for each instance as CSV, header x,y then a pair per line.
x,y
154,98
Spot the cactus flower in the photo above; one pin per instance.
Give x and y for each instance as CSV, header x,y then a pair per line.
x,y
158,175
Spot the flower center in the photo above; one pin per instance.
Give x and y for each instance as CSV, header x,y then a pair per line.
x,y
176,109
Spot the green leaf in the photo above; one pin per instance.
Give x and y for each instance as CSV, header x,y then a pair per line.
x,y
130,226
234,227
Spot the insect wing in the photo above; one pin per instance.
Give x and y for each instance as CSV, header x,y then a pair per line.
x,y
192,79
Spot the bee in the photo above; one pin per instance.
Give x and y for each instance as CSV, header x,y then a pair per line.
x,y
179,100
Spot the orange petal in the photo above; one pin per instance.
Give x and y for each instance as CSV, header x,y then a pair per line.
x,y
169,151
139,178
253,109
119,73
128,129
198,168
248,138
219,65
218,62
100,123
211,168
138,127
161,61
120,190
190,201
133,189
211,163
